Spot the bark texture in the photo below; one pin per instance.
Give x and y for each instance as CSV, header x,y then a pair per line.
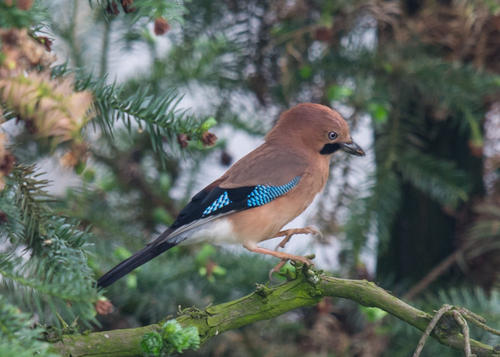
x,y
266,303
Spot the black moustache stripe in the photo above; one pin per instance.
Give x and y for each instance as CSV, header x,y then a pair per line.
x,y
330,149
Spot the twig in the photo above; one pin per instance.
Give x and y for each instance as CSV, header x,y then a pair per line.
x,y
103,66
477,320
435,273
421,343
465,330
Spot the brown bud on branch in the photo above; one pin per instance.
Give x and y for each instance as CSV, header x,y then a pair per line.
x,y
161,26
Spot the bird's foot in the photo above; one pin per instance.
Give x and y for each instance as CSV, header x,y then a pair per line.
x,y
303,261
288,233
281,255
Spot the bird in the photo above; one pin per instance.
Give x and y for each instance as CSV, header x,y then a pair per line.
x,y
260,193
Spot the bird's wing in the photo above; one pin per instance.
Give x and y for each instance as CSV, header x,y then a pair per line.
x,y
255,180
266,165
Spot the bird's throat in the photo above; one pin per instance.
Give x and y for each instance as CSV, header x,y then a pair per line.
x,y
330,149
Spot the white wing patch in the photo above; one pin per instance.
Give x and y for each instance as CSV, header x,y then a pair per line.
x,y
218,231
184,232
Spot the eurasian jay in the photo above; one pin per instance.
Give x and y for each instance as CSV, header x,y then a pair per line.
x,y
260,193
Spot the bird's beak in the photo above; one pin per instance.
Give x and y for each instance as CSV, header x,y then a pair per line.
x,y
352,148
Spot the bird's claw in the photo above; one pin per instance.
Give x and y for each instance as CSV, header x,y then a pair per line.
x,y
276,268
315,232
303,260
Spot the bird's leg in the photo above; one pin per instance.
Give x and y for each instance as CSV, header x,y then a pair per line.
x,y
281,255
288,233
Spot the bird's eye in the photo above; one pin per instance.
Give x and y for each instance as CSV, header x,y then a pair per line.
x,y
332,135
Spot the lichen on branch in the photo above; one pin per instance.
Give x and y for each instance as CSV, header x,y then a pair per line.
x,y
263,304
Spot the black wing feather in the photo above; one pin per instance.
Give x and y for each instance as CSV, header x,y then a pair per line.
x,y
203,199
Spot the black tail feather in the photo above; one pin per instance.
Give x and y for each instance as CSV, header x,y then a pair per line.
x,y
137,259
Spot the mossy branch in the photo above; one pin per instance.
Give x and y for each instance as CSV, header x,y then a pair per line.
x,y
266,303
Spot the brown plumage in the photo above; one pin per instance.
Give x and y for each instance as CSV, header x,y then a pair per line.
x,y
261,192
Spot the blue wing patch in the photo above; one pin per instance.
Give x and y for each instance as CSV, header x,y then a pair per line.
x,y
220,202
263,194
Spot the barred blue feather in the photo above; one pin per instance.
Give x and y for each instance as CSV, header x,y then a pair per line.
x,y
224,200
220,202
263,194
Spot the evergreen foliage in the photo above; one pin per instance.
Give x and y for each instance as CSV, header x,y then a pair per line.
x,y
44,258
18,337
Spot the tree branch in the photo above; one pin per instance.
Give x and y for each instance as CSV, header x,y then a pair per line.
x,y
266,303
435,273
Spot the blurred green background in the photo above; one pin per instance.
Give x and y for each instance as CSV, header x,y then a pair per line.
x,y
419,84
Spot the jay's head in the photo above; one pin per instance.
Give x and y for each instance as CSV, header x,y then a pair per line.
x,y
315,127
